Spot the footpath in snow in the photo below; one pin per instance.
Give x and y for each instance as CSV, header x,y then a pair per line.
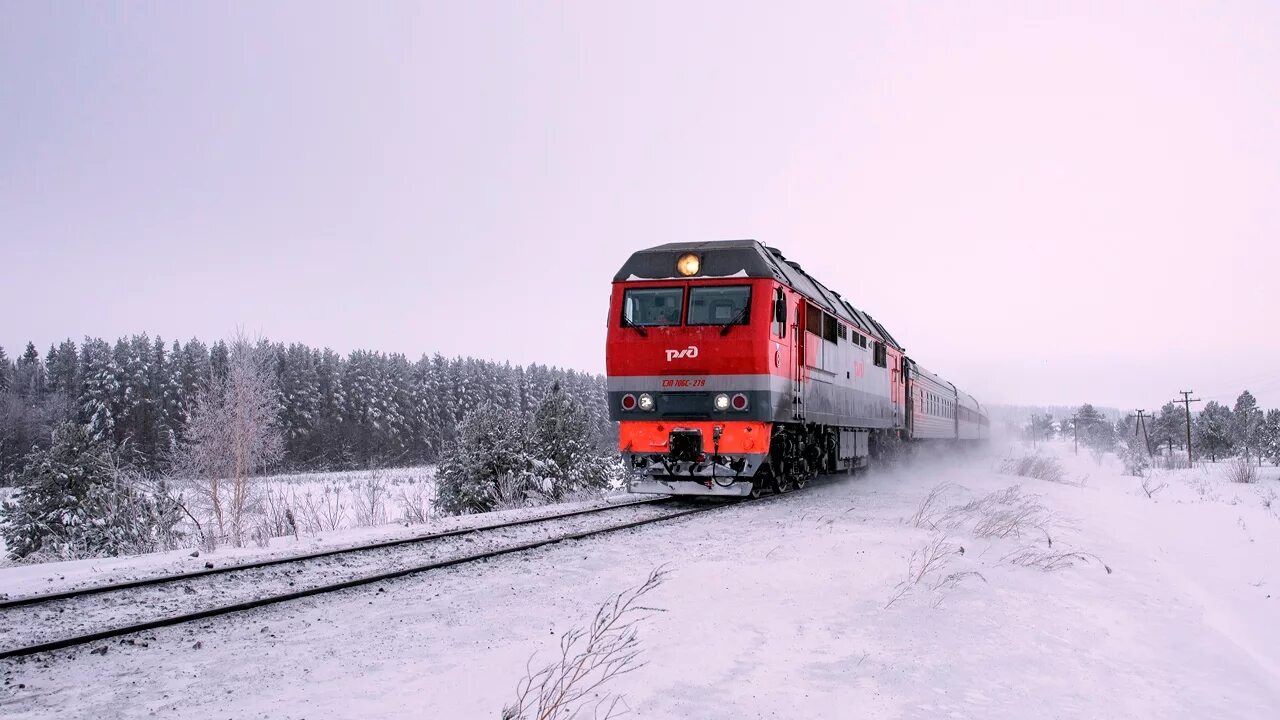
x,y
943,589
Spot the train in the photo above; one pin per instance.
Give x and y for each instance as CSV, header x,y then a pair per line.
x,y
733,372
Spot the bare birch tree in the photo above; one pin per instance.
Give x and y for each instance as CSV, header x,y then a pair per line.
x,y
232,434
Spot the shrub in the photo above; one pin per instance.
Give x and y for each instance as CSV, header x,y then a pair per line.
x,y
1040,467
1173,461
1136,459
76,499
1241,470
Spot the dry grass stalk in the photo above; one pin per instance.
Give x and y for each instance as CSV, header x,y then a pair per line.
x,y
589,659
928,507
1150,487
1049,559
326,512
415,504
929,560
370,500
1001,514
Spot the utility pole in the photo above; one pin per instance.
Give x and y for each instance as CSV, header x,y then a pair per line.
x,y
1143,426
1075,434
1187,400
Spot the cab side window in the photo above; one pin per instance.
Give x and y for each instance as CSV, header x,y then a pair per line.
x,y
779,313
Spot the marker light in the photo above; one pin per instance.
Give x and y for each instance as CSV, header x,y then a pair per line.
x,y
628,402
688,264
722,402
739,402
646,401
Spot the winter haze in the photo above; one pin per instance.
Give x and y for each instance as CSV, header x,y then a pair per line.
x,y
1053,205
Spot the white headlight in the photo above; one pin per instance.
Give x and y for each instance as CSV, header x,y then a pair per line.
x,y
722,402
646,401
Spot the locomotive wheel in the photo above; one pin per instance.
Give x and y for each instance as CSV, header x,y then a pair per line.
x,y
757,489
781,484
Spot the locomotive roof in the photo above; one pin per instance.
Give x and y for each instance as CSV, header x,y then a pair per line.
x,y
747,258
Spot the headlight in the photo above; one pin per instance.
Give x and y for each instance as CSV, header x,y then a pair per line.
x,y
722,402
689,264
646,401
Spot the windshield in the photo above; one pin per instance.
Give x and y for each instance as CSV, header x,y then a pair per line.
x,y
719,305
652,306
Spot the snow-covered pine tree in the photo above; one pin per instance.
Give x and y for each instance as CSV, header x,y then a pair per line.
x,y
1169,427
489,446
29,373
397,383
6,372
135,424
362,415
1212,430
60,365
330,367
99,390
1094,430
442,425
424,437
562,446
52,495
193,374
162,381
1271,437
218,360
1246,424
300,402
75,499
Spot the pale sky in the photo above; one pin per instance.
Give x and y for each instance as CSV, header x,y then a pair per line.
x,y
1045,205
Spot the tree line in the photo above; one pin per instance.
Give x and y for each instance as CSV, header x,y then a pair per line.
x,y
1217,431
333,411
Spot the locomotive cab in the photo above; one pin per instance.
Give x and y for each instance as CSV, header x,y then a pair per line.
x,y
694,377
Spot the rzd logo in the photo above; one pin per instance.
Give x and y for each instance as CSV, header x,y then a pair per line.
x,y
689,352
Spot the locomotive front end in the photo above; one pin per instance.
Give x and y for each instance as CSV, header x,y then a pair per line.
x,y
689,368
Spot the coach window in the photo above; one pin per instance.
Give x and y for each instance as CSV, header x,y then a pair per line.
x,y
719,305
649,307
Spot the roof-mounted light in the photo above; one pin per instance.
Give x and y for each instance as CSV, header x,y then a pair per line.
x,y
688,264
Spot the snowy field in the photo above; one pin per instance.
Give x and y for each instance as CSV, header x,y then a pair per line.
x,y
322,503
872,596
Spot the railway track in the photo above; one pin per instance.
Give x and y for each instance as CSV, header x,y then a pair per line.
x,y
90,614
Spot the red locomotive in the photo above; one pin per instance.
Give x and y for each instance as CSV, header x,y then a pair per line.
x,y
731,371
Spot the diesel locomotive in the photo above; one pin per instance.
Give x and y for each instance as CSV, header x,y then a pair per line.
x,y
731,371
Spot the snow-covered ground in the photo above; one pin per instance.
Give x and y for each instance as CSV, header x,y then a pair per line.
x,y
792,608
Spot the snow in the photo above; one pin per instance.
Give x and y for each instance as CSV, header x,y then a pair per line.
x,y
739,274
772,610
